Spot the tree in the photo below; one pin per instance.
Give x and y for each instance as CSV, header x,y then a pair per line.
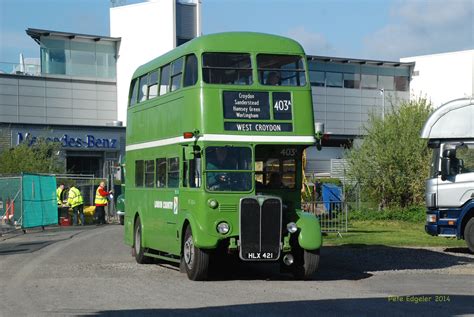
x,y
392,162
40,157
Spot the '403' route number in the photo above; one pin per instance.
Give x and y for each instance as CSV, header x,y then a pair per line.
x,y
282,105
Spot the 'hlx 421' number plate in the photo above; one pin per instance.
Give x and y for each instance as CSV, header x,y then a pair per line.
x,y
261,256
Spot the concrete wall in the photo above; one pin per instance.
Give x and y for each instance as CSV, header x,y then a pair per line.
x,y
147,30
28,99
443,77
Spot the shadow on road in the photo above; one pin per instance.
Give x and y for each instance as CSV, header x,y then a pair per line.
x,y
354,261
349,262
416,305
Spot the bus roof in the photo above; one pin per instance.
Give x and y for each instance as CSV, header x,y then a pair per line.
x,y
226,42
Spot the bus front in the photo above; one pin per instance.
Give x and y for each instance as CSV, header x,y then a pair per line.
x,y
257,119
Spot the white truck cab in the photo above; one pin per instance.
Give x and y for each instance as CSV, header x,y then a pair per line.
x,y
450,189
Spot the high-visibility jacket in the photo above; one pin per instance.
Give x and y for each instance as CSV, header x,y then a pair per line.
x,y
59,191
74,197
100,197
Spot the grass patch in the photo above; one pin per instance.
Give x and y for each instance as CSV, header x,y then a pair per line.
x,y
390,233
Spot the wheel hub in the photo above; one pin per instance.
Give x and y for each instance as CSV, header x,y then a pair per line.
x,y
189,252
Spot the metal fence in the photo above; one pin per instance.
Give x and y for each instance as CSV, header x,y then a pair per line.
x,y
11,204
332,215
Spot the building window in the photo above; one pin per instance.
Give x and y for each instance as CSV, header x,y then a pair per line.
x,y
352,81
149,173
317,78
173,172
160,172
176,74
190,71
165,80
153,84
386,82
334,79
401,83
368,81
227,68
139,169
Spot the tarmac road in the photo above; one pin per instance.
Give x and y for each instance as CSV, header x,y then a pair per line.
x,y
89,271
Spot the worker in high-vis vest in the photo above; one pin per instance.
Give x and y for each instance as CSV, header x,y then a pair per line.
x,y
100,202
76,202
59,197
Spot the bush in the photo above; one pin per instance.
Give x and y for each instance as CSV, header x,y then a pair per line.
x,y
393,161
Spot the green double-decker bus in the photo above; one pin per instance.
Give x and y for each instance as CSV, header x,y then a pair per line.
x,y
215,136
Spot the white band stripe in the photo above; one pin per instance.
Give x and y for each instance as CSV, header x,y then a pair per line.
x,y
223,138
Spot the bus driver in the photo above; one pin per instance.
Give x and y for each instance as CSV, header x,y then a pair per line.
x,y
219,161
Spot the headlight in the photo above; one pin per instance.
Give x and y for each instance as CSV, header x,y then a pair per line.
x,y
223,227
291,227
213,203
430,218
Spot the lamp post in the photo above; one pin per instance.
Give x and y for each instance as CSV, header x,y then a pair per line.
x,y
382,92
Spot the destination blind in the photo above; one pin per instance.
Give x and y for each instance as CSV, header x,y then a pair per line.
x,y
246,105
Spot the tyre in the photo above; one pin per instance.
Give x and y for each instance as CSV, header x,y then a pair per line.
x,y
469,234
121,220
138,249
306,263
196,260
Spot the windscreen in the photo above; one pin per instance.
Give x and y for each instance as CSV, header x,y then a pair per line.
x,y
275,167
228,168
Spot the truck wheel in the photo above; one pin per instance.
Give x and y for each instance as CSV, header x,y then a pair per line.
x,y
469,234
306,263
196,260
137,244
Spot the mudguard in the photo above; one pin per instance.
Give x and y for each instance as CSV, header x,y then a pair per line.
x,y
310,237
201,238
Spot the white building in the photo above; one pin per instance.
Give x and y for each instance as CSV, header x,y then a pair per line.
x,y
148,30
442,77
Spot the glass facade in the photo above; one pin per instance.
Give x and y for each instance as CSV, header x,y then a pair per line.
x,y
78,58
358,76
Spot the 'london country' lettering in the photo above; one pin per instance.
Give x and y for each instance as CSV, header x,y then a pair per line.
x,y
67,141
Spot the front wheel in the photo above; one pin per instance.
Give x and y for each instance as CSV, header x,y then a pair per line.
x,y
469,234
138,249
306,263
196,260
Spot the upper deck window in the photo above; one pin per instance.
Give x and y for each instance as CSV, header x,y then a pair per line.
x,y
190,70
281,70
227,68
176,73
153,85
133,92
165,80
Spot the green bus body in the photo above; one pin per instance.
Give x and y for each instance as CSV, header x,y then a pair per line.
x,y
160,193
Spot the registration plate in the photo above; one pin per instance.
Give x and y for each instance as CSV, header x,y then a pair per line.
x,y
260,256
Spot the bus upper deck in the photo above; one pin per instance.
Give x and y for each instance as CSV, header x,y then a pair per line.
x,y
222,85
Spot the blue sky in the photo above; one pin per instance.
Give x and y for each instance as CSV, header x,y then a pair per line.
x,y
369,29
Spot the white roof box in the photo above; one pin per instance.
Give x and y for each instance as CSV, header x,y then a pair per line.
x,y
453,120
